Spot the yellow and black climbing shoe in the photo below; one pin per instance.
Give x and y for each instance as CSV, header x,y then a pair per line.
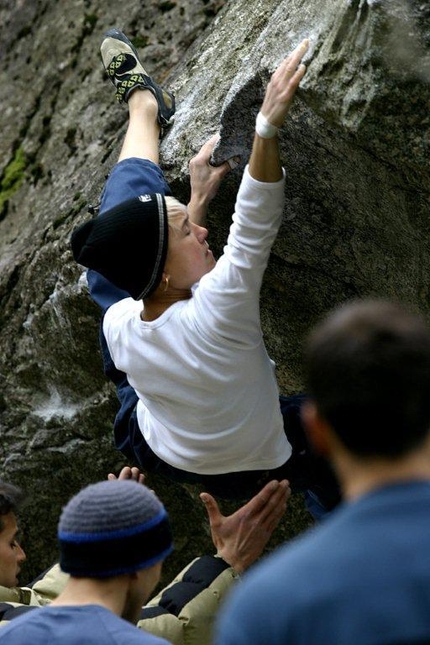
x,y
121,61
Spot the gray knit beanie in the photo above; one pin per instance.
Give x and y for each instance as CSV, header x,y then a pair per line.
x,y
112,528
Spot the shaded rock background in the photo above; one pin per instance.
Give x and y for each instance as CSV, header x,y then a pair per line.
x,y
356,221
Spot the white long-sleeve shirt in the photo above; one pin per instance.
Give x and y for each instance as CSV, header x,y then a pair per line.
x,y
208,396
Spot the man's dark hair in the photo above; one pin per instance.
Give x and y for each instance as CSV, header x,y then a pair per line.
x,y
368,371
10,498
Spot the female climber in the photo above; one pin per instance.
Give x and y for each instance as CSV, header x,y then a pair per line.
x,y
181,334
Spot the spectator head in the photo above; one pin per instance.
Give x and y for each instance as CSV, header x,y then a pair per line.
x,y
368,373
116,528
11,553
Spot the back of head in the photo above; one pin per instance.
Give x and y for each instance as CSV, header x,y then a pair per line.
x,y
113,528
368,371
10,498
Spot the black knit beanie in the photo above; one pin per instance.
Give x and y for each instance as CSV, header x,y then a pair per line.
x,y
126,244
112,528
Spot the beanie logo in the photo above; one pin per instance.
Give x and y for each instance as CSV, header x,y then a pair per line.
x,y
145,198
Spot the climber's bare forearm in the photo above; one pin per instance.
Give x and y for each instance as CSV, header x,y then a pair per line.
x,y
265,163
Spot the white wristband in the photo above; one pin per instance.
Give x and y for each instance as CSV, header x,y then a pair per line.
x,y
264,129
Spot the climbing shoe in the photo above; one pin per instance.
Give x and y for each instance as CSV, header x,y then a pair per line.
x,y
122,64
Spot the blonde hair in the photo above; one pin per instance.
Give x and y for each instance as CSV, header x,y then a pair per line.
x,y
174,209
174,206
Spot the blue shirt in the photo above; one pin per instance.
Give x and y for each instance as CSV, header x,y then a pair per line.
x,y
362,577
89,624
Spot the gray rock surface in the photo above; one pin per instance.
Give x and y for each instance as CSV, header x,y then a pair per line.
x,y
355,149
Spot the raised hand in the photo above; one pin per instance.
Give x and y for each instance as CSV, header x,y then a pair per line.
x,y
205,180
241,537
129,473
265,163
282,86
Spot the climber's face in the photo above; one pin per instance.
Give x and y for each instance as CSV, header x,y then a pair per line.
x,y
189,256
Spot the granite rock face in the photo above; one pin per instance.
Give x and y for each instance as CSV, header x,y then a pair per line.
x,y
355,149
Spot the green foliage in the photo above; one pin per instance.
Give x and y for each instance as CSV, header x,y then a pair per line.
x,y
12,178
140,41
90,21
167,5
